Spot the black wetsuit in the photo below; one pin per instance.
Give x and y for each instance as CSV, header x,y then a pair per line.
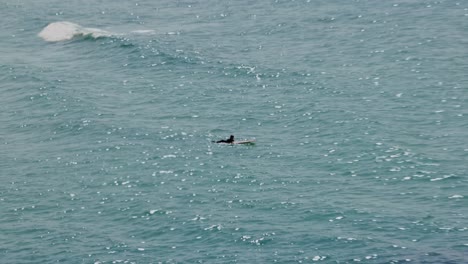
x,y
230,140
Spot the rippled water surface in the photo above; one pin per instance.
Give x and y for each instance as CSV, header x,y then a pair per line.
x,y
358,110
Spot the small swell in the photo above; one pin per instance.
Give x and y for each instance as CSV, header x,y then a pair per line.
x,y
63,31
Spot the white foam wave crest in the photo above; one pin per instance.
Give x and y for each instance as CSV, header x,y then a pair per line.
x,y
63,30
144,31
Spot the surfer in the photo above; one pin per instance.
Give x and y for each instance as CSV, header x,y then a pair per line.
x,y
230,140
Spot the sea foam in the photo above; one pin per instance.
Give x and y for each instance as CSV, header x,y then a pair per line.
x,y
63,30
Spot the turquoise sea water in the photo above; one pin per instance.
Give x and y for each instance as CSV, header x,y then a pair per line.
x,y
358,108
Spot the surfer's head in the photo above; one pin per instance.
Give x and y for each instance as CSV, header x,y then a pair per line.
x,y
231,138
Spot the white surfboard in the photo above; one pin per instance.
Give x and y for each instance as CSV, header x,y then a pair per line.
x,y
244,142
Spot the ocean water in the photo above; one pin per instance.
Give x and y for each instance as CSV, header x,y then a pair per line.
x,y
358,108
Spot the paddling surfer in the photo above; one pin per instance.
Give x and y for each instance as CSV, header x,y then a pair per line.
x,y
229,141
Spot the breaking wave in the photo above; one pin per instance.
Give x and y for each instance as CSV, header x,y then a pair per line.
x,y
63,31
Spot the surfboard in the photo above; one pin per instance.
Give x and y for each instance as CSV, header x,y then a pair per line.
x,y
244,142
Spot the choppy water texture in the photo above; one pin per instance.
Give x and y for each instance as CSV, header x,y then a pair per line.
x,y
359,111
